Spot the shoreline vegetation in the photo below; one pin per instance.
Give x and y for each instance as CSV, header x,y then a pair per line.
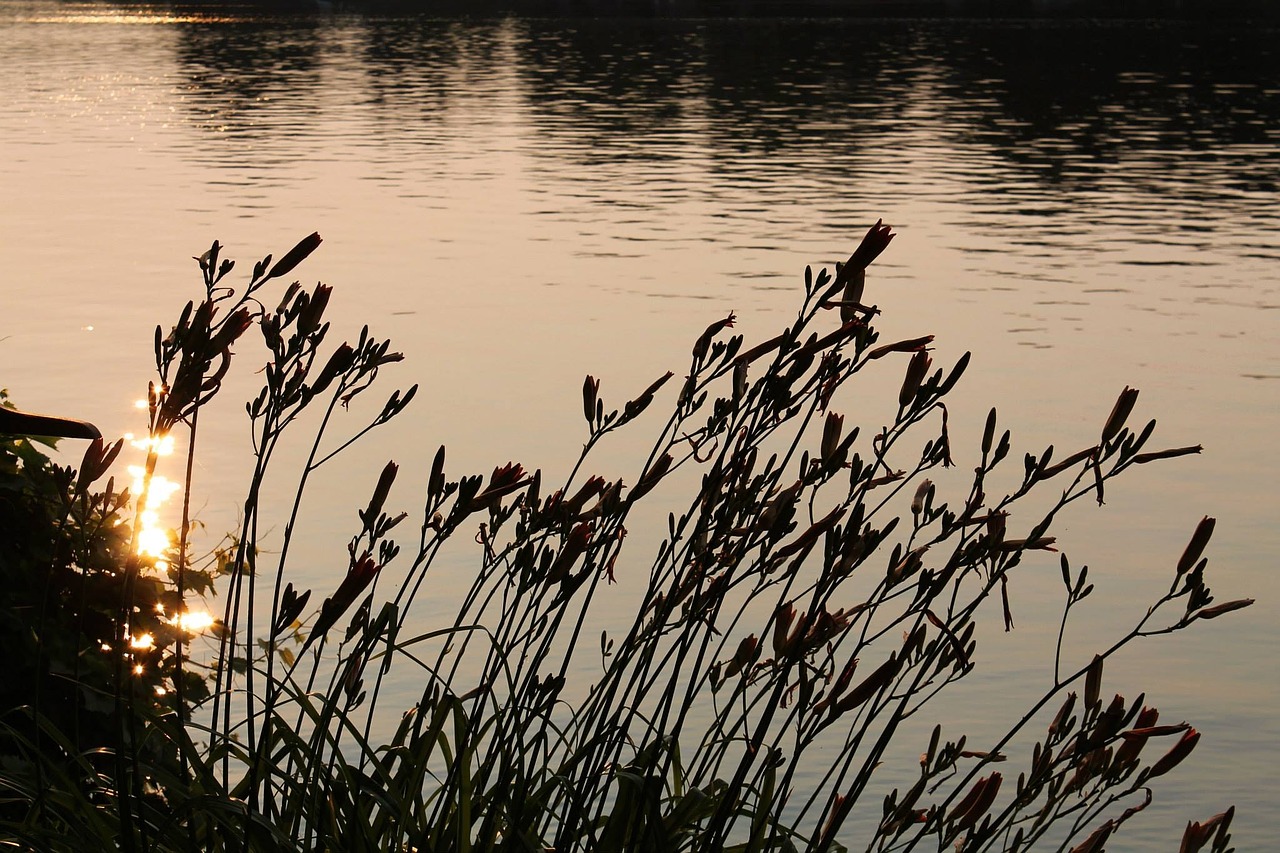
x,y
1193,9
810,600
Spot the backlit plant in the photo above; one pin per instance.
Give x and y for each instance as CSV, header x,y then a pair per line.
x,y
809,601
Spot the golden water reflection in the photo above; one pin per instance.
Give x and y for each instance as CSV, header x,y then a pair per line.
x,y
155,539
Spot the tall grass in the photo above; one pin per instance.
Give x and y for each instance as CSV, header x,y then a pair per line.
x,y
812,598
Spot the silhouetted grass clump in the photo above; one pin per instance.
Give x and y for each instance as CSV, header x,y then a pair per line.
x,y
809,600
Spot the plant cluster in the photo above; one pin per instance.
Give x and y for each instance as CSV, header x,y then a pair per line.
x,y
67,551
803,610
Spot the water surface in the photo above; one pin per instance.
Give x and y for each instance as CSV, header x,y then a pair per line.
x,y
517,202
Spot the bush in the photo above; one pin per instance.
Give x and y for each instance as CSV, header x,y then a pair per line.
x,y
63,579
804,608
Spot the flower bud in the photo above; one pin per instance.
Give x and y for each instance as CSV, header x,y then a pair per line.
x,y
1119,413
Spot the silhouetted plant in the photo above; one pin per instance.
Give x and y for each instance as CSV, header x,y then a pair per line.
x,y
62,578
805,606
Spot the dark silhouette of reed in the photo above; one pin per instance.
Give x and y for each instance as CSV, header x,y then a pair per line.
x,y
813,594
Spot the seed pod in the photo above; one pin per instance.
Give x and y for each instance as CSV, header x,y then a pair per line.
x,y
1094,843
976,803
295,256
1218,609
1174,756
916,372
1039,543
922,491
1198,834
739,380
831,435
1119,413
380,492
704,340
874,682
1199,539
910,345
989,432
313,309
839,336
1171,453
956,372
1059,467
806,540
761,349
360,573
1154,731
651,477
590,393
435,484
639,404
852,295
1093,682
748,651
782,620
342,359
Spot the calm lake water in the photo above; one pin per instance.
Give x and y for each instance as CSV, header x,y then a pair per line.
x,y
515,203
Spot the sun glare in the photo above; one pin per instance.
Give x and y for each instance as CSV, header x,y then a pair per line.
x,y
154,539
163,444
195,621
